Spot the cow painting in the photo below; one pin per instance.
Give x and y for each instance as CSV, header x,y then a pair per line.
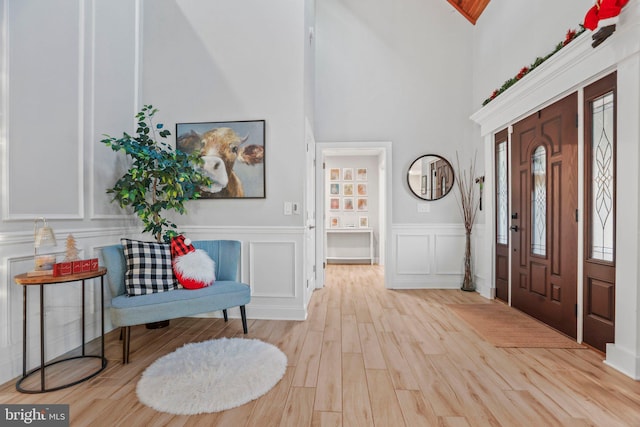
x,y
233,156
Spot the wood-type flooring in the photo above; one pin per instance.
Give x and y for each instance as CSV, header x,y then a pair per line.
x,y
369,356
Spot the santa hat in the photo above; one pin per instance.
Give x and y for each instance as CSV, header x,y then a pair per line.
x,y
603,13
193,267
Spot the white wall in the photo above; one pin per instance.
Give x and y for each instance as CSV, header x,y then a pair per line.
x,y
410,72
66,78
400,72
511,34
74,70
224,61
373,194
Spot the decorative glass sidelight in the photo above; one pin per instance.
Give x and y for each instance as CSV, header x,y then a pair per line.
x,y
602,185
502,196
539,202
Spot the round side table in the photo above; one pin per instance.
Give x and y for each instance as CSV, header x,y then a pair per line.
x,y
41,281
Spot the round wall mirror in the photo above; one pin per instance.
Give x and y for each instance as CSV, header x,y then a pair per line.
x,y
430,177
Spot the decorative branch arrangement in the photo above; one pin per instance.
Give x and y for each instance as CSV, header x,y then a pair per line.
x,y
467,201
468,204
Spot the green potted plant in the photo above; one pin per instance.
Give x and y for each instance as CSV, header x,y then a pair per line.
x,y
160,178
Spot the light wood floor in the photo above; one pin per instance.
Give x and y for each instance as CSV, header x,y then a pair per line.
x,y
368,356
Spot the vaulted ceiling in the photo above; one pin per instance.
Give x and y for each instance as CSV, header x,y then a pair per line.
x,y
470,9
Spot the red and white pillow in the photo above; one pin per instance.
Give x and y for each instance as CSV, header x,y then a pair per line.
x,y
193,267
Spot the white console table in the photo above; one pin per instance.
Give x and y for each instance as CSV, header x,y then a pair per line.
x,y
349,244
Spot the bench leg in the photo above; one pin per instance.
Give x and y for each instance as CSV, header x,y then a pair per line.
x,y
226,316
126,332
243,314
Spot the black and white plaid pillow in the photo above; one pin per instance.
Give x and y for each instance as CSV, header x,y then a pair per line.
x,y
149,268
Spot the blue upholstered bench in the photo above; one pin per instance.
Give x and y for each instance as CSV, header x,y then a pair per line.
x,y
226,292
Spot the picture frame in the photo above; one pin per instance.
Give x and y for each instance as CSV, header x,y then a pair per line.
x,y
334,189
334,203
347,174
363,222
347,189
347,203
361,174
334,222
362,189
363,204
243,145
334,174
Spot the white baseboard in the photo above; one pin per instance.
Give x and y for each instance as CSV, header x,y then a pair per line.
x,y
624,361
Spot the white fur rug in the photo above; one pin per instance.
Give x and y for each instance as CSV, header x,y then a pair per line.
x,y
211,376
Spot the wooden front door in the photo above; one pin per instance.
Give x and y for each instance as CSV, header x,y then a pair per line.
x,y
544,228
502,215
599,212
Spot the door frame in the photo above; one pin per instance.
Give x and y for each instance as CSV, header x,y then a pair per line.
x,y
573,68
384,150
310,214
490,162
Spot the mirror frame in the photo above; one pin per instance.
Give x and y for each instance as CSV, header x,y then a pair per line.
x,y
417,192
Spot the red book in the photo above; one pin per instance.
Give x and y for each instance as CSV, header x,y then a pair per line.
x,y
94,264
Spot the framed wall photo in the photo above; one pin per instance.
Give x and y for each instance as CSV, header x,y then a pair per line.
x,y
334,174
334,203
363,204
363,222
361,174
347,189
362,189
334,189
347,174
239,144
334,222
347,203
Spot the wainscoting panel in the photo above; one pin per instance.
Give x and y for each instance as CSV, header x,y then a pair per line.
x,y
430,256
269,259
112,106
271,264
449,253
39,72
413,254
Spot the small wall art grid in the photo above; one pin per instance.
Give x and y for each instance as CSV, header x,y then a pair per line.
x,y
348,194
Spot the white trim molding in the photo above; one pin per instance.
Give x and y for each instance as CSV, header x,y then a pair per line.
x,y
430,256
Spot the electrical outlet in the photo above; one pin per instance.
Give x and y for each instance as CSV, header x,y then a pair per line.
x,y
287,208
296,208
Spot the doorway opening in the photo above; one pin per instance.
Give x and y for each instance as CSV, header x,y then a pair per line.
x,y
353,202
